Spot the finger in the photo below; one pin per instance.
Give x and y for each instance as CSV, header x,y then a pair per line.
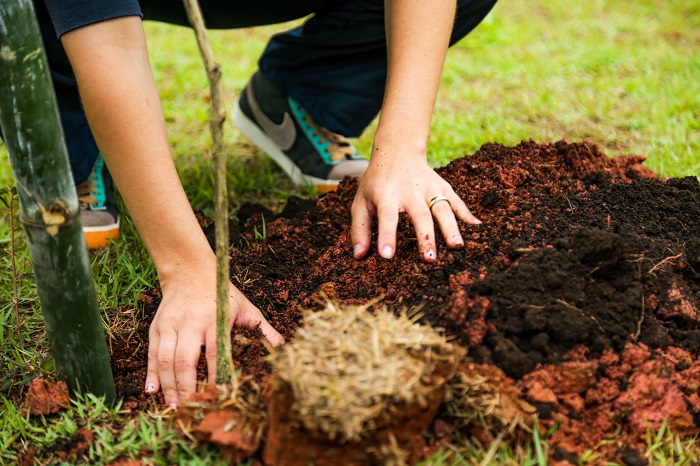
x,y
152,379
210,354
187,352
361,229
425,231
461,210
166,366
443,213
271,335
249,316
388,219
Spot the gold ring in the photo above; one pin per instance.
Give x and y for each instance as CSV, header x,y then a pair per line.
x,y
436,199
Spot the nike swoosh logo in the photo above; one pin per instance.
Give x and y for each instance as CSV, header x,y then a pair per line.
x,y
283,134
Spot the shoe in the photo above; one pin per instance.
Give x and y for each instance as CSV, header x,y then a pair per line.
x,y
98,207
306,151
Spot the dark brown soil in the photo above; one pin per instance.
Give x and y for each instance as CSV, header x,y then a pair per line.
x,y
582,284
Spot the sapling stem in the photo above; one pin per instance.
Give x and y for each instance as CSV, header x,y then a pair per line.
x,y
217,116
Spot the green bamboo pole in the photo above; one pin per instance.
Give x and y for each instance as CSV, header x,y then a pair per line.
x,y
49,205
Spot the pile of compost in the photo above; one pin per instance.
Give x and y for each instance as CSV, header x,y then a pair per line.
x,y
582,285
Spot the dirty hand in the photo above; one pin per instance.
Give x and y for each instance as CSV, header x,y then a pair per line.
x,y
186,320
392,185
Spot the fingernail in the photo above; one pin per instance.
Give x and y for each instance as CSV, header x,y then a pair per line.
x,y
478,221
387,252
430,254
173,406
458,242
357,250
151,388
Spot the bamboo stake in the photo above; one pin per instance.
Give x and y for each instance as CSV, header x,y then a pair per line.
x,y
49,209
217,116
13,259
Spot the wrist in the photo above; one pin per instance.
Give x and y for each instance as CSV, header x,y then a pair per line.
x,y
174,266
398,144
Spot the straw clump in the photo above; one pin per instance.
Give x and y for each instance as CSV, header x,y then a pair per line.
x,y
347,368
483,396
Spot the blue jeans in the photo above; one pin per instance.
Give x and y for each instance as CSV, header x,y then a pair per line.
x,y
334,65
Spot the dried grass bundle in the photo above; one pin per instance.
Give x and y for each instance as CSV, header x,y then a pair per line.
x,y
347,366
483,396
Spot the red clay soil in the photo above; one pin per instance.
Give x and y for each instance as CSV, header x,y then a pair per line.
x,y
289,443
44,397
233,433
582,285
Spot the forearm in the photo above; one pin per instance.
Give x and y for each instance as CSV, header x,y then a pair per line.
x,y
111,64
398,178
418,35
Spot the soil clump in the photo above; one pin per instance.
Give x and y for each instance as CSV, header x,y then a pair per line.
x,y
45,397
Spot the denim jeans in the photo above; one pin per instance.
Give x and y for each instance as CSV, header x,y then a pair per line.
x,y
334,65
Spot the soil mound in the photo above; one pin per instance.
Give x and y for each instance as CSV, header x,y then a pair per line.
x,y
582,285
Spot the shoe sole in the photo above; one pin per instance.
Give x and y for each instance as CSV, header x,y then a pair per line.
x,y
272,150
101,237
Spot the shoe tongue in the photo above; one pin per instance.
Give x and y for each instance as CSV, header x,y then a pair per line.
x,y
87,201
339,147
341,152
86,194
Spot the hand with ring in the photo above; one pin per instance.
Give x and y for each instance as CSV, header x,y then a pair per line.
x,y
436,199
389,187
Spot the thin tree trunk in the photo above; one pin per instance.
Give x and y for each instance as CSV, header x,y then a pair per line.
x,y
49,205
217,116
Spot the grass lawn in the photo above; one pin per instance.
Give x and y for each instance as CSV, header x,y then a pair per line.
x,y
623,75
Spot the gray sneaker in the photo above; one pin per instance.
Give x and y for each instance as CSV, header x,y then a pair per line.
x,y
98,207
306,151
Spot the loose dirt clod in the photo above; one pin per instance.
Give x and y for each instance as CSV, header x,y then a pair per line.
x,y
231,416
44,397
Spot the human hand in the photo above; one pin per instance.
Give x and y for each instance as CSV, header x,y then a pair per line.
x,y
186,320
134,142
392,186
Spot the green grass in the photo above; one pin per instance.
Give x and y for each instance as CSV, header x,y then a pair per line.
x,y
623,75
116,435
